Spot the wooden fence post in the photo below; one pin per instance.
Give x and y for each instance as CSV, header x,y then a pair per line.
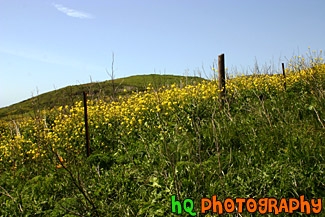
x,y
222,79
86,124
284,76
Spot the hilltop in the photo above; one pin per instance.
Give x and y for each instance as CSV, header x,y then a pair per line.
x,y
71,94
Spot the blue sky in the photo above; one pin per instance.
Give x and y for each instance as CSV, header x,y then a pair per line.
x,y
46,45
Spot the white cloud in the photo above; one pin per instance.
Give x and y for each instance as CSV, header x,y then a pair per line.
x,y
72,12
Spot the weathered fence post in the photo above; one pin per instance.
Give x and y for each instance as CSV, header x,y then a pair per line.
x,y
86,124
284,76
222,79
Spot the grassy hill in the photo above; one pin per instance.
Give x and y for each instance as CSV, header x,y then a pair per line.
x,y
71,94
149,150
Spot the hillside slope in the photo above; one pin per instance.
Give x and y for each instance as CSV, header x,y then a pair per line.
x,y
266,141
71,94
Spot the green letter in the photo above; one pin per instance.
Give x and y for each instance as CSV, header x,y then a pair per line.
x,y
190,208
174,204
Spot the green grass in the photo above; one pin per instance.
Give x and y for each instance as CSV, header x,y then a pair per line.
x,y
259,144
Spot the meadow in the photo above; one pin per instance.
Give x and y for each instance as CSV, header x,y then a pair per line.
x,y
266,140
